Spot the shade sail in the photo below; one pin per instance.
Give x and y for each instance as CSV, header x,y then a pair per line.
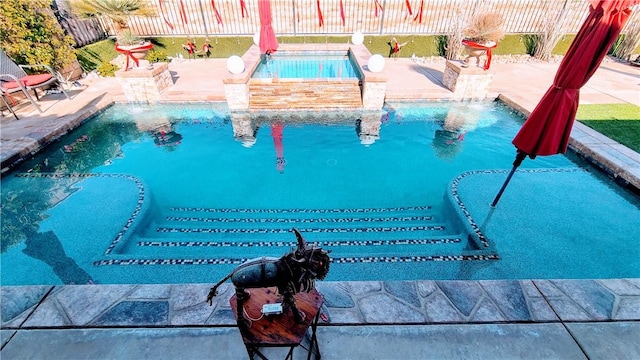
x,y
268,41
547,129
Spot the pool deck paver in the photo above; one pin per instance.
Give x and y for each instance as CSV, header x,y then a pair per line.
x,y
500,319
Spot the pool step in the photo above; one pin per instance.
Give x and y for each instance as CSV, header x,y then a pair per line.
x,y
297,212
273,223
377,234
342,248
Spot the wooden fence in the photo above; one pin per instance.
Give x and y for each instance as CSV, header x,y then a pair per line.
x,y
339,17
84,32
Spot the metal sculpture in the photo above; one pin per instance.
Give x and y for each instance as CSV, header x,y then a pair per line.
x,y
293,273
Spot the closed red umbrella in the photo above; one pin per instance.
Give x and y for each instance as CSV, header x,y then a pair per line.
x,y
276,133
547,129
268,41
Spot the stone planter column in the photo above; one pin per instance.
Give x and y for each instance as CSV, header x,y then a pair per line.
x,y
144,84
244,128
471,83
237,93
374,89
374,85
236,86
368,128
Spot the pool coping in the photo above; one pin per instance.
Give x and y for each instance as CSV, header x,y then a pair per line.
x,y
422,302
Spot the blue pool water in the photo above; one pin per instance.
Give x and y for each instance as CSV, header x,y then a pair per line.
x,y
168,194
316,66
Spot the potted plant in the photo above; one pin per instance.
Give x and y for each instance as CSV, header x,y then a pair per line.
x,y
118,11
483,32
132,44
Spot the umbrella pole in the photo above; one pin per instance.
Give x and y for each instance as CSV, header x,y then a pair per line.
x,y
516,163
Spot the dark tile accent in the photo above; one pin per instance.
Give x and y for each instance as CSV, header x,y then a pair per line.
x,y
301,211
307,230
344,260
293,244
296,220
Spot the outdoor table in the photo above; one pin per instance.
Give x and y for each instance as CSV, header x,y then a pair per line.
x,y
279,330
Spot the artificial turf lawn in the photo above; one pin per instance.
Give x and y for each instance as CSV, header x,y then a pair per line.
x,y
91,56
620,122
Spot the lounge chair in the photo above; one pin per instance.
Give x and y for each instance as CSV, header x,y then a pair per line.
x,y
14,79
6,105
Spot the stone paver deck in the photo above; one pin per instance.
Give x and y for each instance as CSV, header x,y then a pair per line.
x,y
415,319
596,319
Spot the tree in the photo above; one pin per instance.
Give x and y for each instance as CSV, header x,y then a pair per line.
x,y
629,40
554,24
30,34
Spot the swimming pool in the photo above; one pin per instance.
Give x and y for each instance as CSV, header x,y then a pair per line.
x,y
168,194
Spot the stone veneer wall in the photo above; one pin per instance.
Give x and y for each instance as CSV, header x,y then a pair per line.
x,y
470,83
304,93
144,84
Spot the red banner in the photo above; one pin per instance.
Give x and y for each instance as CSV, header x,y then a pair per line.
x,y
378,6
243,8
419,14
162,15
320,18
215,12
342,12
408,4
183,14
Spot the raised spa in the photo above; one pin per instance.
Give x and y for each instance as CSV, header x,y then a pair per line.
x,y
334,76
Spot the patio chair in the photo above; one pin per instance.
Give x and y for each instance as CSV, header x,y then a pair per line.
x,y
14,79
6,105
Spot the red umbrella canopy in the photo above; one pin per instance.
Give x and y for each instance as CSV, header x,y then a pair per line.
x,y
547,130
268,41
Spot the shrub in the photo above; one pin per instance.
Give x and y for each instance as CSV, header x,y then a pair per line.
x,y
484,28
155,56
30,34
107,69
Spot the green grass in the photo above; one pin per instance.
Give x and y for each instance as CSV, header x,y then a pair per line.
x,y
620,122
91,56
